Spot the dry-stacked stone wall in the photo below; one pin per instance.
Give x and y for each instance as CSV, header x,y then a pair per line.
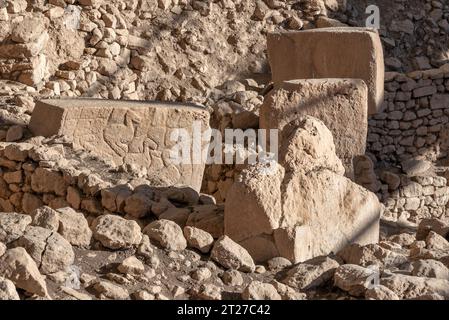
x,y
32,176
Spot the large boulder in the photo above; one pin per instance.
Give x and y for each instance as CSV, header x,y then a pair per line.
x,y
115,232
340,103
17,266
303,206
73,227
12,226
167,234
409,287
341,52
49,249
8,290
231,255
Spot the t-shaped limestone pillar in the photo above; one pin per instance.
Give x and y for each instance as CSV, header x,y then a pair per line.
x,y
340,52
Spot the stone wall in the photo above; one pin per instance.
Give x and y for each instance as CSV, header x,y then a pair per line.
x,y
36,175
415,198
415,119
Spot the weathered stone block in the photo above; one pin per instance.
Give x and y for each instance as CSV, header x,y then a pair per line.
x,y
340,103
127,132
330,53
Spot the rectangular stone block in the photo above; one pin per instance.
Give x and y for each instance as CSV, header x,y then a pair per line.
x,y
340,103
128,132
340,52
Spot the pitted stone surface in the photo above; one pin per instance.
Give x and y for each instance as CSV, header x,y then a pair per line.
x,y
127,132
330,53
340,103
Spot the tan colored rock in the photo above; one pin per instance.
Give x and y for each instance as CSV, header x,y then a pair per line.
x,y
167,234
47,218
198,239
17,266
380,292
207,291
208,218
14,133
91,3
73,227
231,255
232,278
17,6
257,290
8,290
434,241
311,273
340,52
114,232
409,287
114,198
108,290
17,151
372,254
12,226
430,268
45,180
28,30
304,207
2,248
341,104
126,132
31,202
49,249
288,293
138,205
354,279
131,265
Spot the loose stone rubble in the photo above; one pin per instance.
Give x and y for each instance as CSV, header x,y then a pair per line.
x,y
84,216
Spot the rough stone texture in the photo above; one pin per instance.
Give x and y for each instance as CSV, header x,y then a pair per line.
x,y
311,273
8,290
46,217
330,53
340,103
73,227
409,287
50,250
231,255
2,248
199,239
17,266
380,293
12,226
127,133
354,279
114,232
131,265
167,234
304,207
257,290
108,290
